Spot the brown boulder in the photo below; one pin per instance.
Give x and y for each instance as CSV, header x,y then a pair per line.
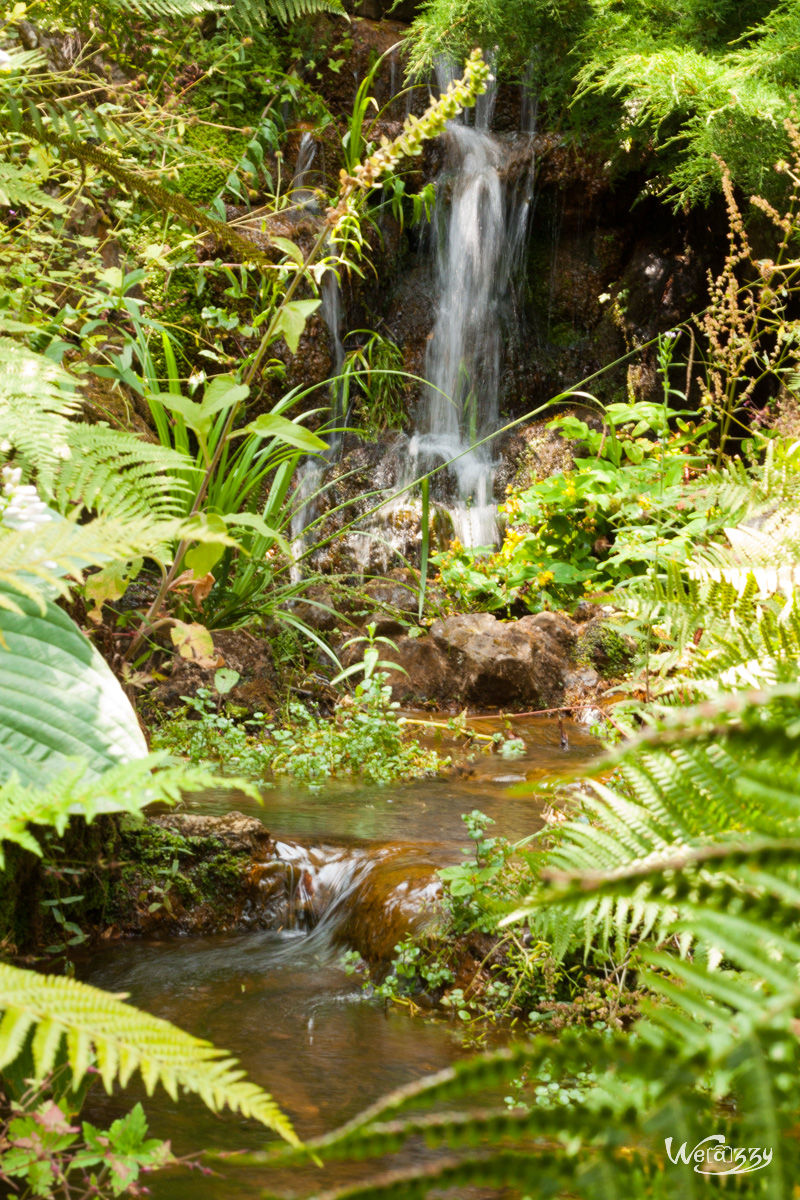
x,y
477,660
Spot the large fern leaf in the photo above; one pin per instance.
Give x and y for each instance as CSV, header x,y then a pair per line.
x,y
107,470
129,788
97,1028
239,12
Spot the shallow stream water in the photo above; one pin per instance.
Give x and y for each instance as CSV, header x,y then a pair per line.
x,y
281,1001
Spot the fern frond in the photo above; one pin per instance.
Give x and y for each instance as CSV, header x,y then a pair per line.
x,y
109,471
118,474
94,1026
239,12
294,10
128,788
58,552
17,188
172,8
161,199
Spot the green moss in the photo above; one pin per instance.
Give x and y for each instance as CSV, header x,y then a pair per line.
x,y
167,868
603,647
176,305
203,179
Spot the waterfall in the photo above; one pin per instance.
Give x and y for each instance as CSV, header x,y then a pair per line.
x,y
479,232
480,229
306,154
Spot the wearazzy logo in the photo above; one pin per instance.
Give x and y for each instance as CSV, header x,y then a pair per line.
x,y
713,1157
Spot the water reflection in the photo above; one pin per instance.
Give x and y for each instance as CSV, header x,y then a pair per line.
x,y
427,809
281,1001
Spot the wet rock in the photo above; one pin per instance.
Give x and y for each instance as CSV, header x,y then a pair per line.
x,y
232,876
531,453
223,881
477,660
587,610
391,603
250,656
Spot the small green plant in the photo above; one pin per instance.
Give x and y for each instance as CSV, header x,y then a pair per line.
x,y
374,372
626,504
364,739
467,885
44,1153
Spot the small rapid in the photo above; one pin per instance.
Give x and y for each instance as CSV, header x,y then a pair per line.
x,y
360,863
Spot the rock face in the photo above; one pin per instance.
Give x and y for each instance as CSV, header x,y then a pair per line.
x,y
478,660
236,649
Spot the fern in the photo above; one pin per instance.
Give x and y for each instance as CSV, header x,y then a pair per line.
x,y
725,1025
124,789
110,471
96,1027
17,188
239,12
120,475
289,11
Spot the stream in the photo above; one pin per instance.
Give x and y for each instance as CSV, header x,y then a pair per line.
x,y
281,1000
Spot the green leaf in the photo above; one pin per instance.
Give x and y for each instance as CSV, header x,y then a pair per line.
x,y
58,698
258,524
203,558
222,392
109,584
271,425
289,248
225,679
292,321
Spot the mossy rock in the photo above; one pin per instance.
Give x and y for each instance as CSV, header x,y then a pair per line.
x,y
192,874
601,645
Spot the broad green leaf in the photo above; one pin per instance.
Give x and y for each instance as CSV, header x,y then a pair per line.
x,y
289,248
258,524
271,425
191,412
222,392
110,584
292,321
203,558
225,679
58,698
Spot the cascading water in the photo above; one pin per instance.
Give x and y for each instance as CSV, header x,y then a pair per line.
x,y
306,154
480,230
